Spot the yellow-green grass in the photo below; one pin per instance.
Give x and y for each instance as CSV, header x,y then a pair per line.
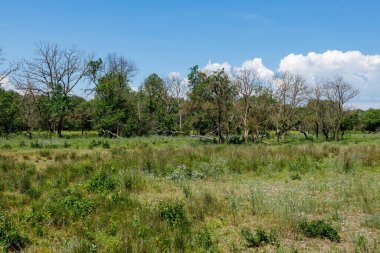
x,y
111,195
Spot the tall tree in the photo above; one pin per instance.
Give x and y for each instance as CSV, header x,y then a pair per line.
x,y
114,99
177,89
291,92
339,93
10,119
53,73
159,105
247,82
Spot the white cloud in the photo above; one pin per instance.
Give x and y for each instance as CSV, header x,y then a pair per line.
x,y
5,84
361,71
212,67
257,64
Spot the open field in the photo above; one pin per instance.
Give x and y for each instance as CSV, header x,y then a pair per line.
x,y
162,194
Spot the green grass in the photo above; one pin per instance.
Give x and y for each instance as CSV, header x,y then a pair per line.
x,y
165,194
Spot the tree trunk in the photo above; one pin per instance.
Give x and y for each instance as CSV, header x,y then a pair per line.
x,y
326,134
317,130
59,127
180,121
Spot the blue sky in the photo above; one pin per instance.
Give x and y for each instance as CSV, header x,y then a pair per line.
x,y
164,36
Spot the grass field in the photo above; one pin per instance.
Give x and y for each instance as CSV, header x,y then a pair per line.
x,y
166,194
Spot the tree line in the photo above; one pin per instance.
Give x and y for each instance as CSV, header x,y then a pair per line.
x,y
231,107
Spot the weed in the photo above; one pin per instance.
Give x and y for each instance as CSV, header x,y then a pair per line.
x,y
101,182
319,228
295,176
10,238
373,221
361,244
172,213
259,238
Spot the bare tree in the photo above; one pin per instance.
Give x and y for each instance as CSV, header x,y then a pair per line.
x,y
339,93
4,73
177,88
247,83
53,73
291,92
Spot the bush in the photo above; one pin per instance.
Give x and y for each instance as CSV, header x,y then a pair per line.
x,y
101,182
106,145
296,176
259,238
10,238
70,206
319,228
133,180
172,213
204,238
6,146
35,144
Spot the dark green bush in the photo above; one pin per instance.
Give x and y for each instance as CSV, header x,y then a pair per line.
x,y
295,176
106,145
10,238
71,206
35,144
259,238
6,146
319,228
172,213
204,238
101,182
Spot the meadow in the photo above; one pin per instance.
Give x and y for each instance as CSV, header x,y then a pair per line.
x,y
182,194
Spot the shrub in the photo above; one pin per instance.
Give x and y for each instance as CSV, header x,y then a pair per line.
x,y
361,244
106,145
101,182
71,206
94,143
22,144
66,144
6,146
296,176
133,180
373,221
172,213
204,238
35,144
259,238
348,163
45,153
10,238
319,228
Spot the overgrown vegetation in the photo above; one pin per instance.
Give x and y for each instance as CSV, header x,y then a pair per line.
x,y
179,194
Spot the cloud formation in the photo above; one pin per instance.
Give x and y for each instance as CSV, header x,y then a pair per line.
x,y
361,71
6,85
256,63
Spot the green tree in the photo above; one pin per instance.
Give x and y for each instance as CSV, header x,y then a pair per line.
x,y
114,102
371,120
10,118
160,106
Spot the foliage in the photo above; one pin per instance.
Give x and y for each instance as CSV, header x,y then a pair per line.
x,y
10,238
102,181
319,228
172,213
259,238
